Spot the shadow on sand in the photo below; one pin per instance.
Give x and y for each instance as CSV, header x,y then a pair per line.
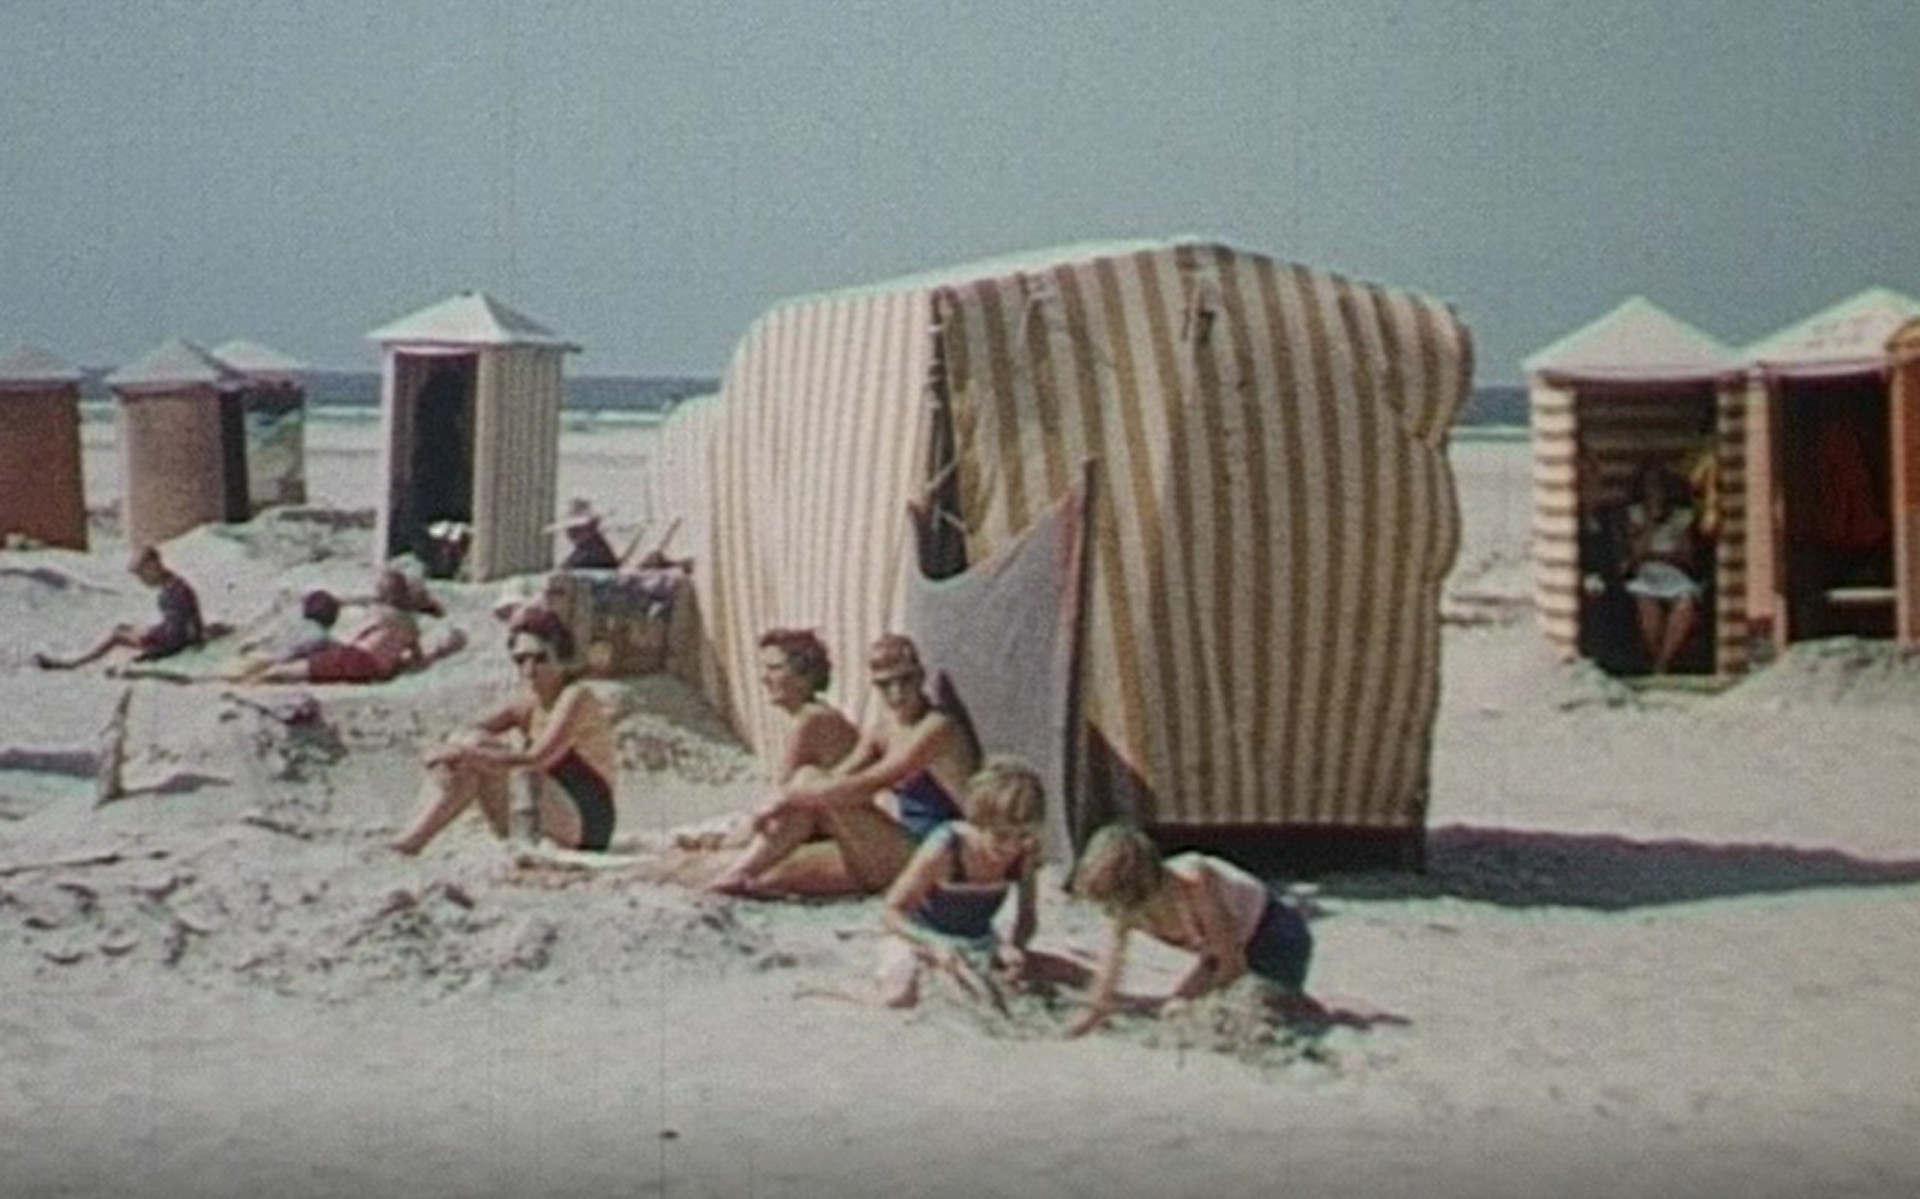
x,y
1520,868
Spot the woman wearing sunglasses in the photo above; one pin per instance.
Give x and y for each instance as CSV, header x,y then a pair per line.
x,y
563,732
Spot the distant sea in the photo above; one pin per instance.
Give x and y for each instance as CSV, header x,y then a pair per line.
x,y
620,399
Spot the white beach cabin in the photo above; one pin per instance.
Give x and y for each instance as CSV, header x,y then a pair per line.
x,y
470,401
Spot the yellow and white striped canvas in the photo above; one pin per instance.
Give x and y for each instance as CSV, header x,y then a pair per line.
x,y
1273,516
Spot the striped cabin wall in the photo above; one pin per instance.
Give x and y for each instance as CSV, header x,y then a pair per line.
x,y
516,452
679,475
1273,517
818,443
1625,425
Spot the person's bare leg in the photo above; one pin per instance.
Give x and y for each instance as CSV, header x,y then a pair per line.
x,y
448,791
766,850
874,845
816,870
559,820
898,977
1679,625
121,635
1648,610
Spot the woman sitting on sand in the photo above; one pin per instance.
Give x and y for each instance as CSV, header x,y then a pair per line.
x,y
1233,921
875,806
940,910
795,669
565,734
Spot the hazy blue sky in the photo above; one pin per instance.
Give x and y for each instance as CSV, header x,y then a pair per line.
x,y
647,176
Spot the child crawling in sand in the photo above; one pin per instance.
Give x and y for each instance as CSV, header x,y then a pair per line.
x,y
1236,923
939,912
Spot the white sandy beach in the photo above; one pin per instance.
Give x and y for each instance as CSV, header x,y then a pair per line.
x,y
1669,943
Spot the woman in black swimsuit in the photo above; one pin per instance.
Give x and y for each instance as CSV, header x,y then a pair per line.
x,y
565,734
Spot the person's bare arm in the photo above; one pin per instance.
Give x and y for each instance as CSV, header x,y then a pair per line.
x,y
560,735
1106,983
1222,957
807,744
923,872
884,768
485,731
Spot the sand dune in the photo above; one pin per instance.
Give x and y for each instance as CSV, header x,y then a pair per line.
x,y
1667,942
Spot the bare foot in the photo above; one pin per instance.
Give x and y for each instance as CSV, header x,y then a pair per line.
x,y
405,849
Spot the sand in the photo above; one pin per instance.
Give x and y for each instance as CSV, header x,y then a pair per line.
x,y
1668,942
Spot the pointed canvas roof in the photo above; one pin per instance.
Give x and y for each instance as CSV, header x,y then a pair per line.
x,y
32,365
1850,336
252,358
472,318
173,363
1637,341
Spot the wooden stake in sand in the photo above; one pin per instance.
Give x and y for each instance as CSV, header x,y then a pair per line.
x,y
113,752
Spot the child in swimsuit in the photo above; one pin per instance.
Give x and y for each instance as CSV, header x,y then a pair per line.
x,y
940,911
567,737
1236,923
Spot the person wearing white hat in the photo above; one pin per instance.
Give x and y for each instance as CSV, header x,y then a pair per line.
x,y
591,550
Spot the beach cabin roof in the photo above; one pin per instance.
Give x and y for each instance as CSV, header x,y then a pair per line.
x,y
261,362
1847,338
31,365
472,318
175,363
1636,342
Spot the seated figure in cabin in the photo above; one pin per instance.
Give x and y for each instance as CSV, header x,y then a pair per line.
x,y
875,806
180,626
1663,551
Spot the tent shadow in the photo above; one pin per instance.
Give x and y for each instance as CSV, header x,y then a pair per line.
x,y
1523,868
183,782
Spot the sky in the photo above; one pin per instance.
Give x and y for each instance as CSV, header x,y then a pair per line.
x,y
648,176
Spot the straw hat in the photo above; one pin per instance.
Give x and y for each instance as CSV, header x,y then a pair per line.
x,y
580,515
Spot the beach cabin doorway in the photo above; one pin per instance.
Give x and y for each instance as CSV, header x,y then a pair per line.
x,y
1835,527
438,485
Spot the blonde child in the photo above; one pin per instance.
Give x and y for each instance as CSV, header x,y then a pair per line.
x,y
1235,922
940,910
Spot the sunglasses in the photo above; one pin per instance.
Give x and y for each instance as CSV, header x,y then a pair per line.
x,y
888,681
525,657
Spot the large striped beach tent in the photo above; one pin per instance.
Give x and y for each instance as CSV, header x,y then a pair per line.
x,y
182,442
273,405
1828,463
1637,385
470,398
42,494
1254,641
